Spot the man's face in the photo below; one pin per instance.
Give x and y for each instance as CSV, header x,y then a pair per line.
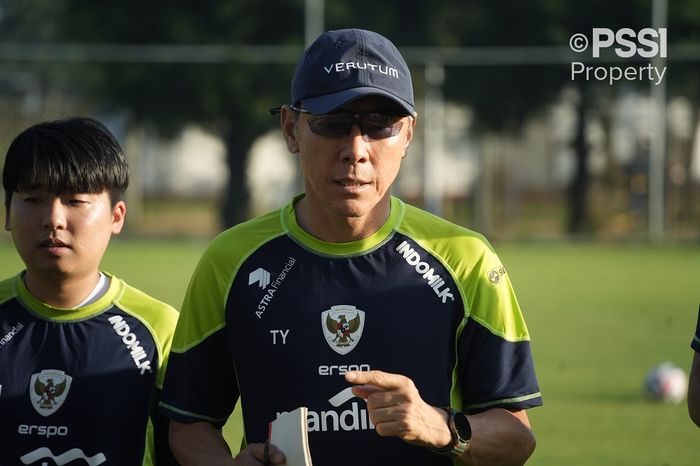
x,y
350,175
62,236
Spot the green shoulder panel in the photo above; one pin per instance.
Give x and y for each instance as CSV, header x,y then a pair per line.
x,y
160,318
202,312
8,290
483,283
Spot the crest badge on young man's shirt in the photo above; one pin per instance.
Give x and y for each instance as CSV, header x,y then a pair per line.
x,y
48,390
342,326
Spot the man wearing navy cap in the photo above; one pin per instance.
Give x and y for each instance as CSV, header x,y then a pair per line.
x,y
398,330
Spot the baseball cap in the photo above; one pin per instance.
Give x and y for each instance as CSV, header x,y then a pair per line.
x,y
344,65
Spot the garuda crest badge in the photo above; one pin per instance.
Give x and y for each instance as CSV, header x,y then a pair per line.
x,y
48,390
342,326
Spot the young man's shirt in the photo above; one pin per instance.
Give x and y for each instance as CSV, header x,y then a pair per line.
x,y
276,316
80,386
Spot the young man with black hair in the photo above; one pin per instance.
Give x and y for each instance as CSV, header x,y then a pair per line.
x,y
82,353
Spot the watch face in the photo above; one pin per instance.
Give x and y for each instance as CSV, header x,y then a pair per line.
x,y
464,429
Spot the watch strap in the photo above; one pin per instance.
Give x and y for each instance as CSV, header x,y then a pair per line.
x,y
458,444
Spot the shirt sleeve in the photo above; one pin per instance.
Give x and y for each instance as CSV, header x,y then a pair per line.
x,y
496,367
200,381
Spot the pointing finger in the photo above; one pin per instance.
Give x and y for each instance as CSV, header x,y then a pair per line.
x,y
364,391
380,379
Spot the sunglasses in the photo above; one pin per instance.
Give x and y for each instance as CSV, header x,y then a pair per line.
x,y
374,124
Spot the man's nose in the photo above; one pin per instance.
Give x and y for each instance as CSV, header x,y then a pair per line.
x,y
55,214
358,145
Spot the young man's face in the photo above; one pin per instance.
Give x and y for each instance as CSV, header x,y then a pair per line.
x,y
65,236
350,175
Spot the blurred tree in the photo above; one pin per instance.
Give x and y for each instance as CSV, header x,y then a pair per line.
x,y
232,98
504,97
684,28
229,98
565,19
684,21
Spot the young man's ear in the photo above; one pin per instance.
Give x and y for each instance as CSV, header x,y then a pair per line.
x,y
118,215
288,122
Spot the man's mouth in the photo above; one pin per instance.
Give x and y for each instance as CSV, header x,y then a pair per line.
x,y
53,243
351,182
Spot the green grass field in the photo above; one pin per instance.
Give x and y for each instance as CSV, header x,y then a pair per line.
x,y
600,316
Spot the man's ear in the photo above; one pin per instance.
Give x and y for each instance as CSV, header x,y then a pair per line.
x,y
411,128
288,121
118,215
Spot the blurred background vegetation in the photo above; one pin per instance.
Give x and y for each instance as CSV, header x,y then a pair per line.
x,y
509,144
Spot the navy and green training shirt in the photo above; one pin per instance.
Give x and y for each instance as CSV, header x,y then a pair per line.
x,y
275,316
79,386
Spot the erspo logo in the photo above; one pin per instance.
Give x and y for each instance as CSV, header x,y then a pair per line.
x,y
628,43
64,458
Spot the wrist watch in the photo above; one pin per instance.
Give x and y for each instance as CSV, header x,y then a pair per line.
x,y
461,432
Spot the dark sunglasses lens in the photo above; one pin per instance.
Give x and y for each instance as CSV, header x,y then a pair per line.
x,y
381,126
333,126
374,125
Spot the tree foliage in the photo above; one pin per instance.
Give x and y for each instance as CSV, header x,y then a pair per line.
x,y
231,98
